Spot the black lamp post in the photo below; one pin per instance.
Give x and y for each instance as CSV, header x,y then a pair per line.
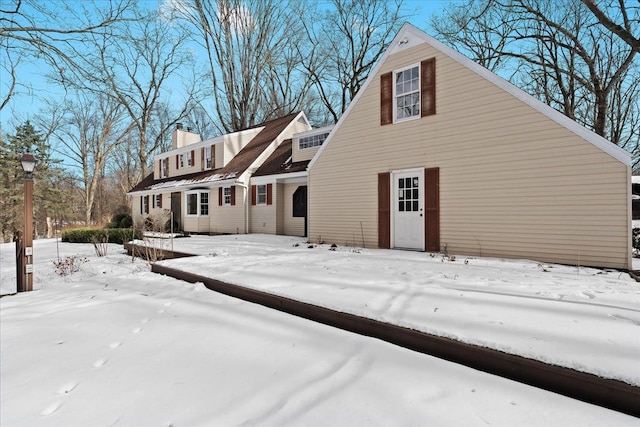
x,y
24,246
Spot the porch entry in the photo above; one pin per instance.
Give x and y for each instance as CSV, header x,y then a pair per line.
x,y
408,209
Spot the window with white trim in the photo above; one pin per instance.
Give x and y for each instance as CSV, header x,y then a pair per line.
x,y
226,196
189,158
312,141
207,158
407,93
261,195
197,203
157,201
181,162
164,168
204,204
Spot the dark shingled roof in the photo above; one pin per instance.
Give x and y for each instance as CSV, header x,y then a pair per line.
x,y
277,162
236,166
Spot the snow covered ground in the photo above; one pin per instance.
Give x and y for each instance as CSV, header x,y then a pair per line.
x,y
116,345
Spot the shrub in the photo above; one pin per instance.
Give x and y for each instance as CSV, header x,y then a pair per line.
x,y
90,235
121,221
69,265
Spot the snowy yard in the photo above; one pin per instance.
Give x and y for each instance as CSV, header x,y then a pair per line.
x,y
115,345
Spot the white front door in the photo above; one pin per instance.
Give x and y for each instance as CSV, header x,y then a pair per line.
x,y
407,200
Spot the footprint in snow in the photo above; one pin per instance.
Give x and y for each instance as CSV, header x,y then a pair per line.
x,y
67,388
51,408
115,344
99,363
136,330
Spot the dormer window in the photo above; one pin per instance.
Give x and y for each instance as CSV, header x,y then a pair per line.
x,y
207,158
180,161
190,158
312,141
164,168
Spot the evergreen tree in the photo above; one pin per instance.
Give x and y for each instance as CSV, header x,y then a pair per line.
x,y
49,199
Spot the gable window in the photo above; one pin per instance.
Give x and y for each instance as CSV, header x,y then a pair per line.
x,y
164,168
312,141
197,203
408,93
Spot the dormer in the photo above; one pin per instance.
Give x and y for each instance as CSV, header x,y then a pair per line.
x,y
306,144
190,155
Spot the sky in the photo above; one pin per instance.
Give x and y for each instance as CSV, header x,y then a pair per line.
x,y
28,99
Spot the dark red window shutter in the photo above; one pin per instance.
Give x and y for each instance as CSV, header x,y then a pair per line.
x,y
177,161
386,98
233,195
269,195
253,195
193,157
432,209
428,87
141,204
220,196
384,210
202,158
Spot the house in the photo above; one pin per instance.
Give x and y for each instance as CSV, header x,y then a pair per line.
x,y
283,176
205,185
437,153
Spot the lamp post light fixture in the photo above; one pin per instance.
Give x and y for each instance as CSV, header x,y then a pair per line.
x,y
24,245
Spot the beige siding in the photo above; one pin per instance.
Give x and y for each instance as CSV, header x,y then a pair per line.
x,y
263,217
513,183
292,226
227,219
233,143
298,155
279,202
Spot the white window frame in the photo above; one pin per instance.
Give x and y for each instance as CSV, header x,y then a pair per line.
x,y
164,167
199,203
396,95
189,158
207,158
180,161
262,193
226,196
156,198
202,203
312,140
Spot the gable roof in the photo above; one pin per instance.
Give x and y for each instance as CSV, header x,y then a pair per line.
x,y
410,36
236,166
280,161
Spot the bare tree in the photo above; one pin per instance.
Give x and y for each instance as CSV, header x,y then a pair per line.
x,y
344,42
250,63
624,30
52,31
87,130
136,64
557,51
